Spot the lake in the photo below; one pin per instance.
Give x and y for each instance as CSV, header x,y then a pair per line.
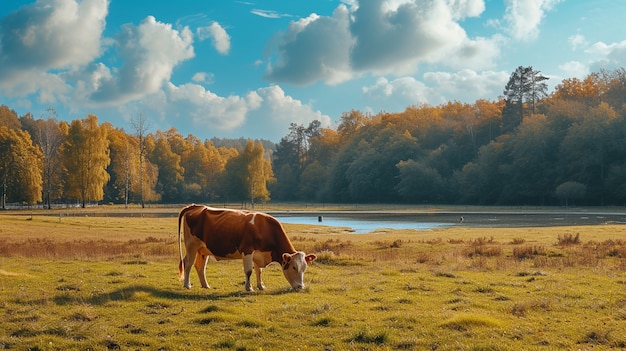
x,y
360,225
366,222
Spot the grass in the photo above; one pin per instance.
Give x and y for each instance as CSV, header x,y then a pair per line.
x,y
108,283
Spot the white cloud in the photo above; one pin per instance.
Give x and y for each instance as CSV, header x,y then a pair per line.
x,y
436,88
268,13
314,48
203,77
609,56
574,69
467,85
380,37
271,120
149,52
524,17
218,36
205,108
263,113
576,41
43,36
284,109
399,93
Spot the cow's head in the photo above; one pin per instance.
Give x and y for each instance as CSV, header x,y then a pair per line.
x,y
294,266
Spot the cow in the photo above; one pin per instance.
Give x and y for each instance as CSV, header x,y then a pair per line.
x,y
225,234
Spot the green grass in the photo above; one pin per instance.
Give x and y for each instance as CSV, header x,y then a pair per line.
x,y
116,288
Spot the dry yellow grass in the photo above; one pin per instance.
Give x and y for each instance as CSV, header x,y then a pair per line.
x,y
111,283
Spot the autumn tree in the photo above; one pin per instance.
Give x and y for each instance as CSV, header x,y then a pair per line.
x,y
247,174
85,155
587,90
259,172
141,126
48,134
614,84
170,172
203,166
20,167
350,122
124,166
8,118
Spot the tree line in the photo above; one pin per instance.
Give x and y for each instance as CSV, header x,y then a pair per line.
x,y
55,162
529,147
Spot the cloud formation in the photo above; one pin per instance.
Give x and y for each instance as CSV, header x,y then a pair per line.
x,y
314,48
524,16
44,36
266,111
378,37
149,53
218,36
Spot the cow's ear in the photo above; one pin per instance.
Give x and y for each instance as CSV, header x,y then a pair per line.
x,y
310,258
286,258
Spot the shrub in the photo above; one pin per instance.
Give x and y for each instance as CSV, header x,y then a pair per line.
x,y
528,251
568,239
518,241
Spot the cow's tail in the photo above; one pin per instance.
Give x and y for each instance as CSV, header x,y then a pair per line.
x,y
181,265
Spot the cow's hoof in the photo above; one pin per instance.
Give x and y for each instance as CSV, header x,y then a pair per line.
x,y
261,287
187,286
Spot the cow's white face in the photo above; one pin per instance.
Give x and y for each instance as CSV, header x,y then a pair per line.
x,y
294,266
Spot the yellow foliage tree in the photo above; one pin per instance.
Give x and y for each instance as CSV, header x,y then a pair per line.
x,y
20,167
85,155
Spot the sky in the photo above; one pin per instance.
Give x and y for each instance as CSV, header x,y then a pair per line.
x,y
249,68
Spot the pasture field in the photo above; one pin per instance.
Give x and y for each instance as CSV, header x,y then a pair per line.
x,y
111,283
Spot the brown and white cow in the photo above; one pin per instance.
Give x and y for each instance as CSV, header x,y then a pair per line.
x,y
228,234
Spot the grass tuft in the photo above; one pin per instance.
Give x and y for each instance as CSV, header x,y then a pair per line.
x,y
369,337
521,309
323,322
466,322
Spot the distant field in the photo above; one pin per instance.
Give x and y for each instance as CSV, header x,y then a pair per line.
x,y
74,281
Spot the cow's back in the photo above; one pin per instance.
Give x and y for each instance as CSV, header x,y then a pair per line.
x,y
222,230
229,232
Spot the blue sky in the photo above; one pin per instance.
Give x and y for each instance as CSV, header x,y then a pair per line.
x,y
233,69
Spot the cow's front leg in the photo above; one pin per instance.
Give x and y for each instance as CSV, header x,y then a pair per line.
x,y
200,264
259,281
247,269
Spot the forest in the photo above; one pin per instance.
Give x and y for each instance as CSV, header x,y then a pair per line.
x,y
529,147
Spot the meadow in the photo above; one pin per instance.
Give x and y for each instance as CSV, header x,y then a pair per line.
x,y
111,283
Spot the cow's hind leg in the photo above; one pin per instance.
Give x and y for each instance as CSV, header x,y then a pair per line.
x,y
187,262
193,251
200,264
247,269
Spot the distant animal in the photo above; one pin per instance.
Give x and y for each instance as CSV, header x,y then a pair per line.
x,y
257,238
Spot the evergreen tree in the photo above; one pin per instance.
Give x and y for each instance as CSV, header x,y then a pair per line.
x,y
525,86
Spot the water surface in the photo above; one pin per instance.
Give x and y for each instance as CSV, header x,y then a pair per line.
x,y
360,226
